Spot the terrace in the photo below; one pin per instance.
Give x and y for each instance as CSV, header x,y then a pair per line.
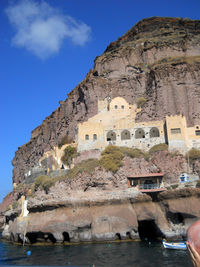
x,y
152,182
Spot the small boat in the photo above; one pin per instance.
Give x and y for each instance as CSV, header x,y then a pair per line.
x,y
174,245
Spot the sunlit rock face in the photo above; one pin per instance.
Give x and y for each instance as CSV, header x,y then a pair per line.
x,y
157,59
104,216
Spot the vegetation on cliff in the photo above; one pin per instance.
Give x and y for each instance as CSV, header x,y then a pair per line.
x,y
157,59
69,153
159,147
44,182
112,159
87,166
193,154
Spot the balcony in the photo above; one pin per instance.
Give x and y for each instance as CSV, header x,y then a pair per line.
x,y
151,188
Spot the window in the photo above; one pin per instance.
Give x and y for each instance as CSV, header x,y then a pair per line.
x,y
122,106
86,137
176,131
115,106
111,136
134,182
139,133
125,135
154,132
94,137
197,132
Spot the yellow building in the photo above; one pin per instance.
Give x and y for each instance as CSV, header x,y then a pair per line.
x,y
115,124
180,137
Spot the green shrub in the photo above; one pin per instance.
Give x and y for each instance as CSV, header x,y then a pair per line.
x,y
87,166
65,140
140,102
69,153
146,156
168,187
20,187
109,150
131,152
15,205
111,158
174,186
44,182
159,147
193,154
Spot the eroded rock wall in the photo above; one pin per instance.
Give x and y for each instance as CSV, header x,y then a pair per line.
x,y
159,59
115,215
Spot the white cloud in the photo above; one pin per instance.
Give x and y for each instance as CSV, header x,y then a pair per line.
x,y
42,29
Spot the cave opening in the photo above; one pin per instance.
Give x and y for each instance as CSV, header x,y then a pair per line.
x,y
51,238
175,218
128,234
66,237
35,237
118,236
148,230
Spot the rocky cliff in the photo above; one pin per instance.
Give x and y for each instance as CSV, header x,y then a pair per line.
x,y
100,216
159,59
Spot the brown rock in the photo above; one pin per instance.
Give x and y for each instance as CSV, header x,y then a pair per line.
x,y
157,59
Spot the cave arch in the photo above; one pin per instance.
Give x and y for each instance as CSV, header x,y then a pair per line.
x,y
148,230
66,237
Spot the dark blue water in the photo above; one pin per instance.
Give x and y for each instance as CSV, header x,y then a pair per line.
x,y
112,255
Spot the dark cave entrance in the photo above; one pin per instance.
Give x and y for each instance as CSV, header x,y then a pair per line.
x,y
175,218
35,237
118,236
66,237
148,230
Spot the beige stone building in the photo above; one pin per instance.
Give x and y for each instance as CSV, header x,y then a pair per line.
x,y
115,124
179,136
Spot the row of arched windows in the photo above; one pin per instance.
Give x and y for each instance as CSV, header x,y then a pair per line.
x,y
139,133
126,135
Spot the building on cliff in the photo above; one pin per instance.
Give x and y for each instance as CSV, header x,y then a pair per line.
x,y
159,58
115,124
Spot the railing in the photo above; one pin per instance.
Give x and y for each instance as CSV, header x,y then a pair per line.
x,y
149,186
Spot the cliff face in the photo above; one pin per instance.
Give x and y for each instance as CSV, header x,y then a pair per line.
x,y
97,216
159,59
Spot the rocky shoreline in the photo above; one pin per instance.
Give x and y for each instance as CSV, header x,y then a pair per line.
x,y
104,216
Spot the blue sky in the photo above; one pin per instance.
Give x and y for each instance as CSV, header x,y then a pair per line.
x,y
46,49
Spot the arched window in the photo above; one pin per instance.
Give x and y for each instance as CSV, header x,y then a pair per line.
x,y
86,137
122,106
139,133
94,137
111,136
125,135
116,106
154,132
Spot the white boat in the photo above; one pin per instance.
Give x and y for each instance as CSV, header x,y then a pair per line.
x,y
174,245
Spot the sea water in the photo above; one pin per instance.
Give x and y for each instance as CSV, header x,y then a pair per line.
x,y
124,254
